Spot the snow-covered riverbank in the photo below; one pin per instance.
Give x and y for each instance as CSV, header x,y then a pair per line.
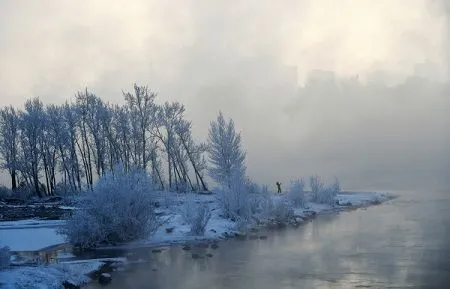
x,y
174,231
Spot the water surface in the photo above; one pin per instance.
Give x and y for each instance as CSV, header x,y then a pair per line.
x,y
401,244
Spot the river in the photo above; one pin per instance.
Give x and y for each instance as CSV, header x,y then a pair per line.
x,y
403,243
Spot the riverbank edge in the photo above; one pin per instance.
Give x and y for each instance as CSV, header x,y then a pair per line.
x,y
109,265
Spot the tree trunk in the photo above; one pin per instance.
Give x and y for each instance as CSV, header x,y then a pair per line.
x,y
193,165
36,185
13,180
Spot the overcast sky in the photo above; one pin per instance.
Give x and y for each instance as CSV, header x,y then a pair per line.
x,y
250,59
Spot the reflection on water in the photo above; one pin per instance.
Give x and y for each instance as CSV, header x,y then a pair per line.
x,y
401,244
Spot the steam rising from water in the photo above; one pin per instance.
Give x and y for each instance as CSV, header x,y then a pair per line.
x,y
247,58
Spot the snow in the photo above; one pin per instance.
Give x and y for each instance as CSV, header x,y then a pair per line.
x,y
31,223
67,207
30,239
363,198
49,276
30,235
215,229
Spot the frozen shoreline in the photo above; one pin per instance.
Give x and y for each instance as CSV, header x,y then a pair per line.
x,y
174,232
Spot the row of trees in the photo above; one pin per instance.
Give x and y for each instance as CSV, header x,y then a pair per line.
x,y
45,148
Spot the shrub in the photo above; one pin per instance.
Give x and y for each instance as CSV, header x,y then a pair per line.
x,y
242,225
5,192
281,211
119,209
322,194
316,184
336,186
168,200
5,257
64,189
296,193
183,186
22,193
197,215
235,199
327,196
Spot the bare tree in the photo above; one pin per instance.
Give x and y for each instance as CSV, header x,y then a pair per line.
x,y
70,139
194,152
9,142
32,130
83,144
169,115
142,109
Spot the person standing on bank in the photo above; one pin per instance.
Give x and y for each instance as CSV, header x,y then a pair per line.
x,y
279,187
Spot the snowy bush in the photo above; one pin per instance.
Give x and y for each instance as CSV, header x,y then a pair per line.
x,y
324,195
327,196
296,193
336,186
168,200
265,190
5,257
119,209
5,192
316,185
234,199
256,195
64,189
183,186
197,215
22,193
280,211
242,225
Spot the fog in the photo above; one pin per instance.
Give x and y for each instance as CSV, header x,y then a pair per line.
x,y
354,89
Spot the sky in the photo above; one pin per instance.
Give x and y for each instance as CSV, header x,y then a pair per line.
x,y
270,65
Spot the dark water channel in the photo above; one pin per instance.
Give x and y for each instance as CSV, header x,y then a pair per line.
x,y
404,243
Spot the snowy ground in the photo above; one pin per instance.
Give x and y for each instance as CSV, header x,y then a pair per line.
x,y
24,224
49,276
219,227
30,235
34,235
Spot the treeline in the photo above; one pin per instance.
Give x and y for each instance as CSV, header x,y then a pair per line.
x,y
46,148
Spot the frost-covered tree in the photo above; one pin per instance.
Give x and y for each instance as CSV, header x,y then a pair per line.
x,y
142,108
120,126
94,110
170,115
69,143
32,124
49,146
225,151
9,142
193,151
84,144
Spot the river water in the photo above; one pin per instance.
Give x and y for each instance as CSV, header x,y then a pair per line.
x,y
400,244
